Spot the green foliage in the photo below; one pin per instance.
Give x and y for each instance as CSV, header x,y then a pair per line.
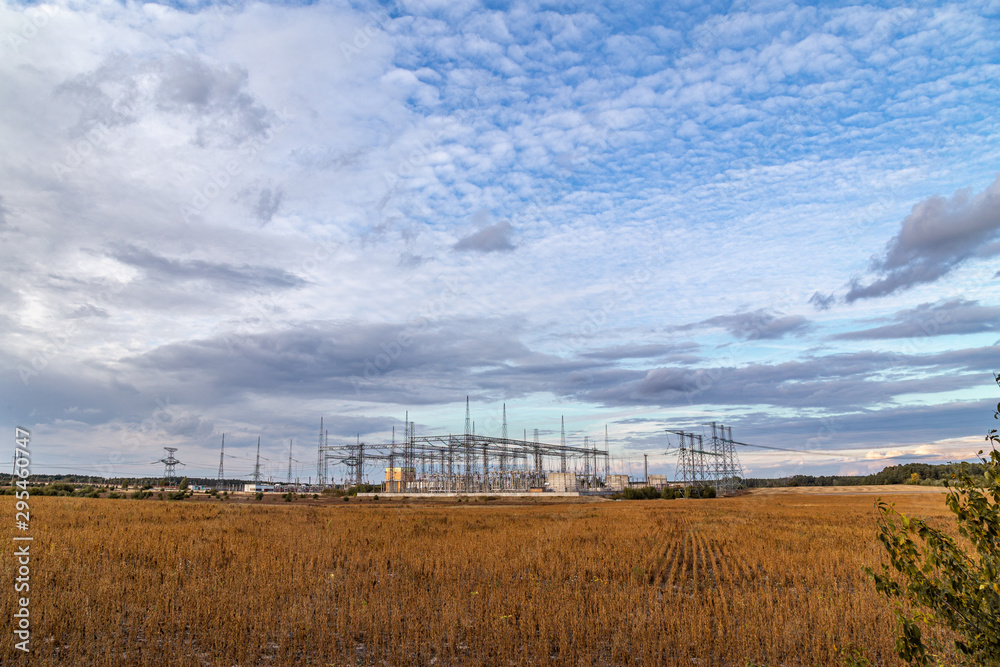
x,y
943,585
259,495
140,495
183,485
641,493
853,657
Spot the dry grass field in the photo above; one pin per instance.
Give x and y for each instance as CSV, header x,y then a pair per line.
x,y
762,579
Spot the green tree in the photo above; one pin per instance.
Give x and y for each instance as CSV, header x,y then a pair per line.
x,y
183,485
943,585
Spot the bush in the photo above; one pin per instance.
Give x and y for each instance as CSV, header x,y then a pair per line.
x,y
939,583
259,495
642,493
114,495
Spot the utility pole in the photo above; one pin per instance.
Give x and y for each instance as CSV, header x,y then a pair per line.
x,y
645,465
289,461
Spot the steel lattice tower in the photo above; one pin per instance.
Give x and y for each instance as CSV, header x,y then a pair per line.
x,y
256,468
169,464
717,466
222,458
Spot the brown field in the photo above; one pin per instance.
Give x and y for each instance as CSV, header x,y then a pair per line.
x,y
763,579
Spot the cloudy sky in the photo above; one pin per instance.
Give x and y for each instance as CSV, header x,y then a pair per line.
x,y
237,218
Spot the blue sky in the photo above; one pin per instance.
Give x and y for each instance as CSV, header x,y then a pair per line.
x,y
237,218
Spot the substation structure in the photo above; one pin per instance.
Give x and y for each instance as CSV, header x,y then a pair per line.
x,y
468,463
714,463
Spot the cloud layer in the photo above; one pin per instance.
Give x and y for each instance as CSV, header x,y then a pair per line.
x,y
238,218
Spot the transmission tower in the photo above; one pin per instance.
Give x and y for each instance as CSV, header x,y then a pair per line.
x,y
319,456
222,458
256,468
717,466
728,468
562,444
170,464
289,461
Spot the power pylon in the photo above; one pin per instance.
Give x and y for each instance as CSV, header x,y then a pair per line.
x,y
170,464
256,468
222,458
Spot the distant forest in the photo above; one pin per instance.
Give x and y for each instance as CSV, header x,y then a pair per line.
x,y
909,473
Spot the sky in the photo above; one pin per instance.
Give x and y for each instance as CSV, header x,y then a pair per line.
x,y
237,218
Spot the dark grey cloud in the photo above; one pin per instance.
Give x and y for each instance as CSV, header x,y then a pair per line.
x,y
955,316
215,98
494,238
268,203
937,236
822,301
417,364
760,324
832,382
228,275
866,428
88,310
441,361
410,260
642,351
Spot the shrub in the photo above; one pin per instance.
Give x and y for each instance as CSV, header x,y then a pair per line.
x,y
940,584
641,493
259,495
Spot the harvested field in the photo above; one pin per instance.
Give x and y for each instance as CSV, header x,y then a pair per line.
x,y
762,579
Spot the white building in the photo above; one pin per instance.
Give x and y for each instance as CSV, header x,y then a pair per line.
x,y
255,488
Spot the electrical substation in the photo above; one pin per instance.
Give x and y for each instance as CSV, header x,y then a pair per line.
x,y
470,463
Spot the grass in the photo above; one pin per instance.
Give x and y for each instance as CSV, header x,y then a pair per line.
x,y
764,580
